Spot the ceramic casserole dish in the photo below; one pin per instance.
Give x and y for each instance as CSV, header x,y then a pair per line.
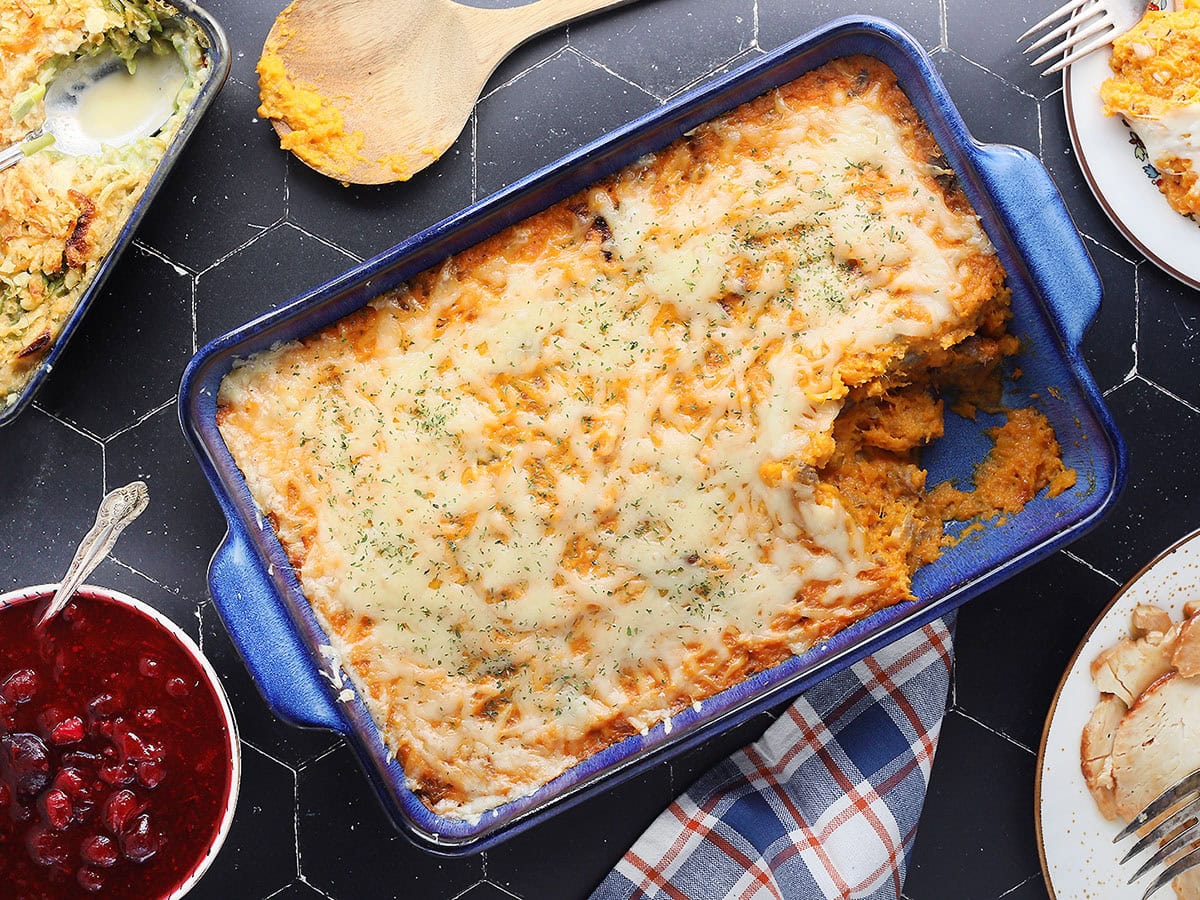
x,y
218,58
1055,294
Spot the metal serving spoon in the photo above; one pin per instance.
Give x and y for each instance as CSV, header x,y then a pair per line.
x,y
96,102
117,510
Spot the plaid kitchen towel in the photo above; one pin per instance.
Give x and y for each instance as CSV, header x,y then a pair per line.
x,y
824,805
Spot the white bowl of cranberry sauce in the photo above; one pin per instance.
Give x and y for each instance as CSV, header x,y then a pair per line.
x,y
119,755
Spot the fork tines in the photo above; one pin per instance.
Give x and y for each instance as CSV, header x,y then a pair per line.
x,y
1088,19
1175,817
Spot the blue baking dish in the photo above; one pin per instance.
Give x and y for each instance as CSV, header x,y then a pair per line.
x,y
1056,293
219,61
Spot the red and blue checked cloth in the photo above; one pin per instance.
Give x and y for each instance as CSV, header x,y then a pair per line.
x,y
824,805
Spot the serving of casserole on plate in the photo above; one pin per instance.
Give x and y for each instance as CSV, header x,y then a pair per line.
x,y
62,215
645,444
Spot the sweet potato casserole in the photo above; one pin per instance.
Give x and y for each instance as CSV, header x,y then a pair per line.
x,y
61,214
644,444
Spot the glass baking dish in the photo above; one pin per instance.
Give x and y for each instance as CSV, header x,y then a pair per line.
x,y
218,57
1056,293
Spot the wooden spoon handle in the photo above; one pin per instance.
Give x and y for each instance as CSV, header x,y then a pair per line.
x,y
523,22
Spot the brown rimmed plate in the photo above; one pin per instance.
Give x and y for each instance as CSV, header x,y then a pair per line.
x,y
1075,842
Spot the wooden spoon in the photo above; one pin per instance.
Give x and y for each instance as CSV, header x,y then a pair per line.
x,y
403,75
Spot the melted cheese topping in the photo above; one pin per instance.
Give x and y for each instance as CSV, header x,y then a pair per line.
x,y
566,484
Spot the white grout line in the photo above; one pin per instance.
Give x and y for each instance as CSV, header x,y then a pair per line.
x,y
261,752
943,25
754,28
996,75
1137,316
998,733
617,75
505,891
1158,387
747,53
67,423
154,412
537,65
168,588
304,880
313,760
179,268
195,320
240,247
1110,249
1019,885
323,240
1087,565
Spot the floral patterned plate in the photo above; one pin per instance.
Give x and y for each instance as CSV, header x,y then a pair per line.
x,y
1114,163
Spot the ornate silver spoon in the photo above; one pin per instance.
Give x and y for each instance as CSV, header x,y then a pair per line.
x,y
117,510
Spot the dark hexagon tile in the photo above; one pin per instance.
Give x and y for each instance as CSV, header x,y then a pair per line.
x,y
1168,332
246,25
547,112
642,41
181,609
259,855
1060,159
208,206
350,849
994,44
51,480
984,845
282,263
1015,641
256,723
174,538
370,218
993,111
1108,346
592,836
780,21
1162,500
126,359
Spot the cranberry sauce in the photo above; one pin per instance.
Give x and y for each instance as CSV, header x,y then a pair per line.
x,y
114,755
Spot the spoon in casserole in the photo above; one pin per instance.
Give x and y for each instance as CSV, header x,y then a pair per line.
x,y
117,510
373,91
96,101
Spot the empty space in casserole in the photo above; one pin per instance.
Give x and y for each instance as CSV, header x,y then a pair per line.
x,y
644,444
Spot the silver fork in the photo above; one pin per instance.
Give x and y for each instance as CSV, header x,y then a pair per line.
x,y
1096,22
1175,817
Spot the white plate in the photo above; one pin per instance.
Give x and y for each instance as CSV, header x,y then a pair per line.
x,y
1074,840
1108,154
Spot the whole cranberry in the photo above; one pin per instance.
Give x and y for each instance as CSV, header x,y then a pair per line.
x,y
99,850
55,807
150,773
68,731
45,847
19,686
149,666
115,773
177,687
147,716
139,841
24,762
118,809
49,717
128,743
90,880
70,781
103,706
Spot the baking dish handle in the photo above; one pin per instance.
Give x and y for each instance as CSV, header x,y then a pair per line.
x,y
1033,212
265,636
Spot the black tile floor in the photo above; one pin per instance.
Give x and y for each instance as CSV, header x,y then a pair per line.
x,y
240,228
